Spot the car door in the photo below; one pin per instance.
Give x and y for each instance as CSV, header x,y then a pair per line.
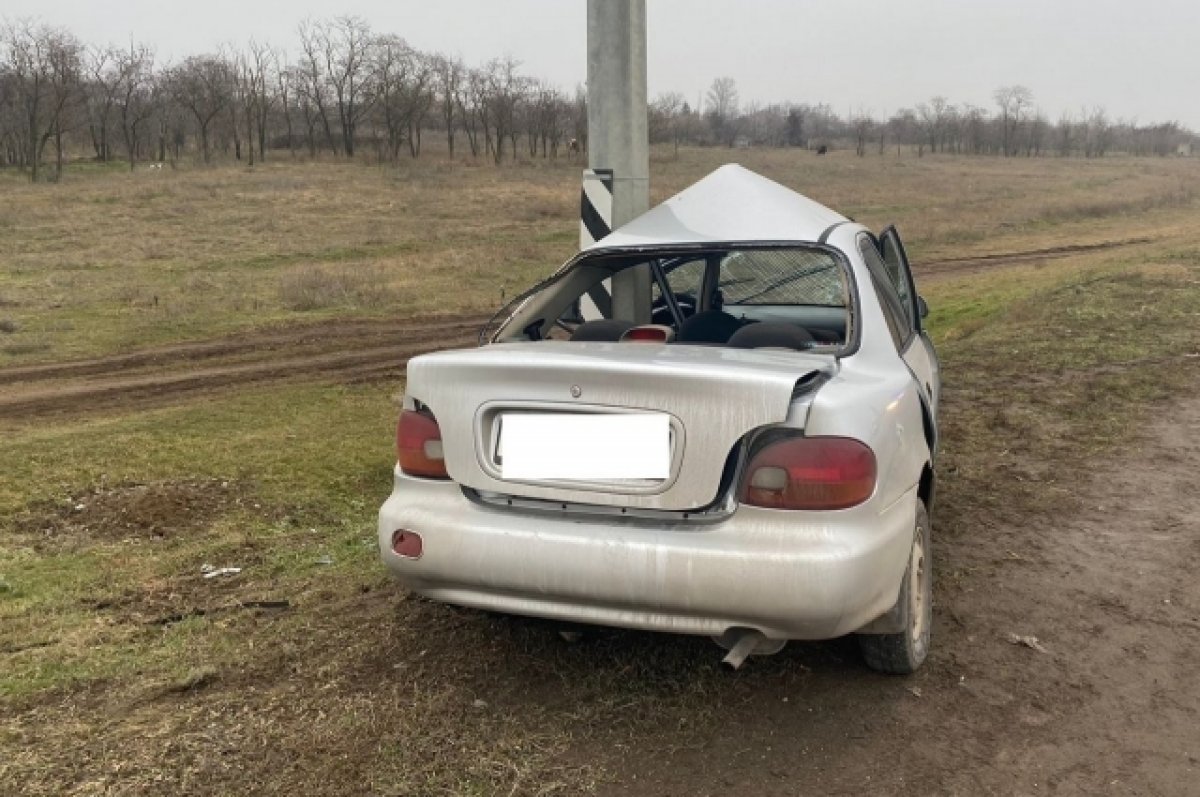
x,y
919,354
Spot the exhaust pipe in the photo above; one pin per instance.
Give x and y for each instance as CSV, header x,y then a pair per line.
x,y
745,642
741,650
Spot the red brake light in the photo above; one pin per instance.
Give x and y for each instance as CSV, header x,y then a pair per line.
x,y
648,333
810,473
419,446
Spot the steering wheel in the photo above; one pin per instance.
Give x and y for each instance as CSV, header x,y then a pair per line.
x,y
660,313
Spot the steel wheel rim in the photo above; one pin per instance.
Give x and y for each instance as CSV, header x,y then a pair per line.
x,y
918,591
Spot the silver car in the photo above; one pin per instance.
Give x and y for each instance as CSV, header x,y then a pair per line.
x,y
754,461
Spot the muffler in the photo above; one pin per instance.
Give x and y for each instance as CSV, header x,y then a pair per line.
x,y
742,643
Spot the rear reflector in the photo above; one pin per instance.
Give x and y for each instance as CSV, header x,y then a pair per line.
x,y
419,446
810,473
406,543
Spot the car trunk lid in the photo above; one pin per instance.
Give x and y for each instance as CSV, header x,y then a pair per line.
x,y
712,396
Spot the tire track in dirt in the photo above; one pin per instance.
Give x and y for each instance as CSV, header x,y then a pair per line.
x,y
338,351
324,336
347,351
962,266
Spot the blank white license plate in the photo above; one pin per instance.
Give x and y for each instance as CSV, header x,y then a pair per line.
x,y
584,447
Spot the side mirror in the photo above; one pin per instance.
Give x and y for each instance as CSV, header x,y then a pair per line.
x,y
922,307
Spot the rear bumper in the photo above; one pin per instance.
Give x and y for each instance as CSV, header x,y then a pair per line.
x,y
813,575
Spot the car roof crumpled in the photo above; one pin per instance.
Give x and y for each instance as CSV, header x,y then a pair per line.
x,y
732,204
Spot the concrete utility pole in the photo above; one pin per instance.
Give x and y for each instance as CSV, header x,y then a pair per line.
x,y
618,133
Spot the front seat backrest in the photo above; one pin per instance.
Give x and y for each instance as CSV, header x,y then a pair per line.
x,y
711,326
771,335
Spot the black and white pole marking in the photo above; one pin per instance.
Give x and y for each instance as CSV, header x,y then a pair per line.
x,y
595,206
595,222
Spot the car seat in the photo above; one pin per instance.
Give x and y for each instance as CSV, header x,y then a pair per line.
x,y
771,335
713,327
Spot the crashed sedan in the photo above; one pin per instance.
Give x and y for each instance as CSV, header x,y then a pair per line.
x,y
744,450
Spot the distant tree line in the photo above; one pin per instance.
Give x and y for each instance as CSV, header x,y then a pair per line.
x,y
1013,127
352,92
346,90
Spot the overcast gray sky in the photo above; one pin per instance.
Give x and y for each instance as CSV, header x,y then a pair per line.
x,y
1140,60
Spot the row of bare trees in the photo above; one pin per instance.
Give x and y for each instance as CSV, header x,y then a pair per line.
x,y
347,89
1014,127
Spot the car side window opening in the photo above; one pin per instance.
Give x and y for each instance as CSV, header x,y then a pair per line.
x,y
899,323
897,276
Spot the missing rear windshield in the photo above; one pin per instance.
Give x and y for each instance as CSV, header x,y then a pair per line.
x,y
795,296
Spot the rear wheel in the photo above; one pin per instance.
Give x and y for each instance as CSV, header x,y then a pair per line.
x,y
902,653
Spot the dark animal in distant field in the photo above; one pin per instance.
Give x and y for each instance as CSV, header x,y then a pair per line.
x,y
822,150
573,147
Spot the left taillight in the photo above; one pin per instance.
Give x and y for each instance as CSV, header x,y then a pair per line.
x,y
419,446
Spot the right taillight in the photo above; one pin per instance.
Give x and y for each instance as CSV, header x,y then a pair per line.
x,y
809,473
419,446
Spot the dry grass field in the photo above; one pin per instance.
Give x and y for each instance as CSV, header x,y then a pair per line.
x,y
198,368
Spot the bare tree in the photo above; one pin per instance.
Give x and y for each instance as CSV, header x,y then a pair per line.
x,y
313,86
935,119
722,100
863,126
1014,103
450,74
243,110
795,126
1037,134
11,152
394,66
285,81
1097,133
202,85
906,130
1065,135
420,96
44,66
258,65
345,47
137,96
973,121
103,80
471,110
545,114
504,90
665,118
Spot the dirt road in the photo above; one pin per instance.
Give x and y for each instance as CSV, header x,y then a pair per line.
x,y
1065,662
933,270
334,350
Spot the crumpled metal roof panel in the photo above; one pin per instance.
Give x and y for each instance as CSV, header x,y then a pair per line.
x,y
731,204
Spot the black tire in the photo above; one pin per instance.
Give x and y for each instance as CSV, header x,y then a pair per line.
x,y
902,653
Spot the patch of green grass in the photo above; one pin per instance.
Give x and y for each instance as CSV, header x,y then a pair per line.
x,y
1051,372
281,439
90,609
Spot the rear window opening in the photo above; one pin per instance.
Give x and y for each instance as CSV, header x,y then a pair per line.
x,y
786,297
